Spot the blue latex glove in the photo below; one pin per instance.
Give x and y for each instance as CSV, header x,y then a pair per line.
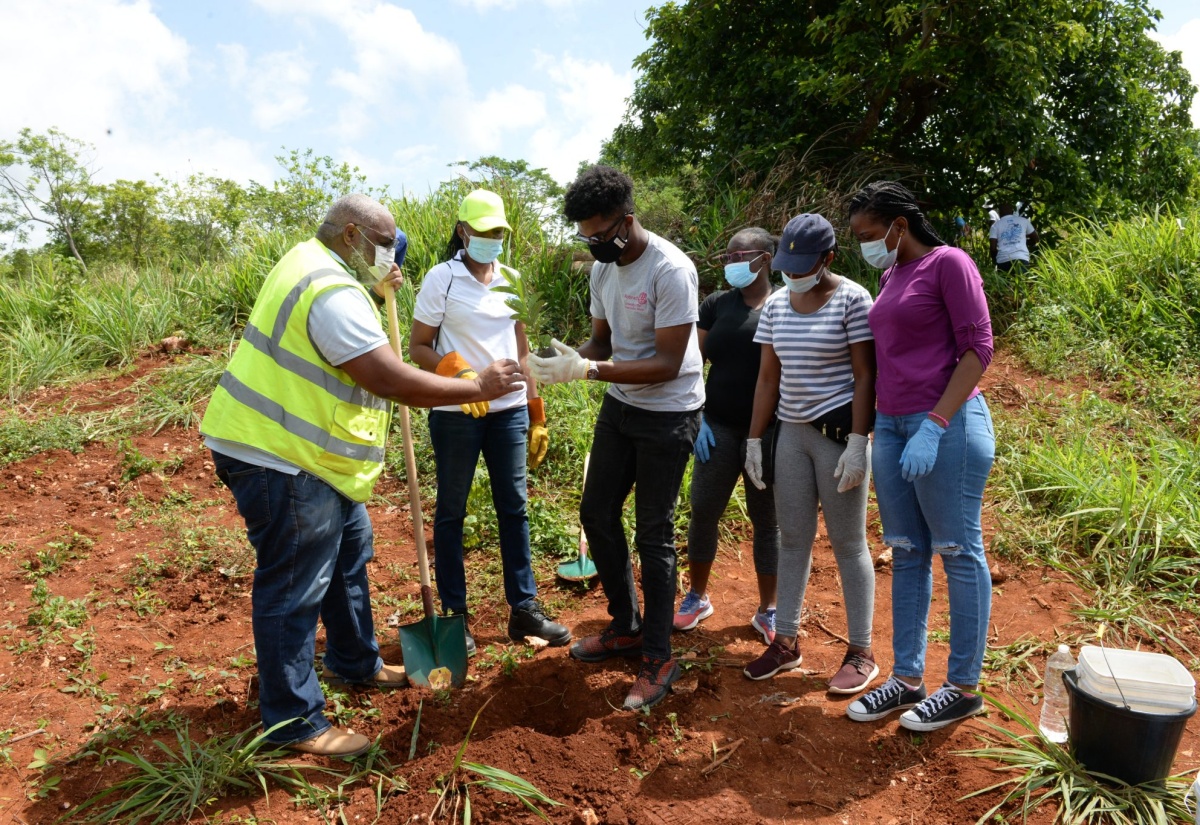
x,y
704,442
920,453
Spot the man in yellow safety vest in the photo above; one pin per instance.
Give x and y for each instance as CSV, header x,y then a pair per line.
x,y
297,428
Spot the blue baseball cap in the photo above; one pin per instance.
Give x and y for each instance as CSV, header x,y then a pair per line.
x,y
805,238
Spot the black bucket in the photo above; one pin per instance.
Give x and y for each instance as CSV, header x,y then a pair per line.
x,y
1132,746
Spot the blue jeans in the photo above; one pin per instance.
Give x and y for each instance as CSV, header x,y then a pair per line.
x,y
312,545
458,439
650,448
938,513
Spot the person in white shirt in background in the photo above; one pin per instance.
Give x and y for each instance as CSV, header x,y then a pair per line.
x,y
1011,238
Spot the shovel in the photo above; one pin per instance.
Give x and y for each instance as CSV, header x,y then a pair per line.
x,y
436,644
582,568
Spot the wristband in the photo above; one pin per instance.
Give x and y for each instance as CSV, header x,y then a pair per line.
x,y
945,424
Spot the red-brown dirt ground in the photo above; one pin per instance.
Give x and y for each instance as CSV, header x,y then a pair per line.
x,y
180,645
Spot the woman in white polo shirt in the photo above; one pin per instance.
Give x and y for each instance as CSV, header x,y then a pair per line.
x,y
460,325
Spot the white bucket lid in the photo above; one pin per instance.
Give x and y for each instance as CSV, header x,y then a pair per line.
x,y
1138,678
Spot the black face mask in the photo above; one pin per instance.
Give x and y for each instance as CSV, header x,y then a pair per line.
x,y
607,252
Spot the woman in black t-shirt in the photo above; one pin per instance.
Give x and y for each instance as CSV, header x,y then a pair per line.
x,y
728,321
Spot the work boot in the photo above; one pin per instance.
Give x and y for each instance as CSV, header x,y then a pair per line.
x,y
333,742
387,677
470,640
532,621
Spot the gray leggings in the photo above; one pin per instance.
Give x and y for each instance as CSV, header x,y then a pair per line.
x,y
712,486
804,465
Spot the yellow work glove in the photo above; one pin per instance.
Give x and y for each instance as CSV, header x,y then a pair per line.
x,y
539,436
452,365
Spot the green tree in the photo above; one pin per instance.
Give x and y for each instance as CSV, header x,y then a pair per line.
x,y
203,213
308,188
527,185
125,223
45,180
1070,104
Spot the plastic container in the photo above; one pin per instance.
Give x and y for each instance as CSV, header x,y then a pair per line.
x,y
1143,681
1128,744
1055,705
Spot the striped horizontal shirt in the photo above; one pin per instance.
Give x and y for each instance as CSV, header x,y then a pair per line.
x,y
814,350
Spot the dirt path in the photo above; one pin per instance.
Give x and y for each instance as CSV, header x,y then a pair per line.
x,y
167,637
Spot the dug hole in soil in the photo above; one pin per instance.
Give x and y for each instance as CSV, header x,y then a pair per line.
x,y
180,647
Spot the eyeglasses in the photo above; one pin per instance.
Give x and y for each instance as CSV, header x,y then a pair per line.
x,y
606,235
391,244
739,257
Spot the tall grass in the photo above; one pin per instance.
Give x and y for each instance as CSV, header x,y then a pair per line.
x,y
1115,296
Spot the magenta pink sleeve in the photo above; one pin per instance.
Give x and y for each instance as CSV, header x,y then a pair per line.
x,y
962,290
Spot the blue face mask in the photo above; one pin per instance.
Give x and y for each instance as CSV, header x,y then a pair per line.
x,y
740,275
484,250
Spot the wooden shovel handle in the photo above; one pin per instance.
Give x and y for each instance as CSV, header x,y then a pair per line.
x,y
410,462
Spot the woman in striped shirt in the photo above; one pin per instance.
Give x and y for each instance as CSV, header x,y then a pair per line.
x,y
817,376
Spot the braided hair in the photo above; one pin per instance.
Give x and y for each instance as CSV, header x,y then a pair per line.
x,y
888,200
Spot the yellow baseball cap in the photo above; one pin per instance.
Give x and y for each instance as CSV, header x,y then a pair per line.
x,y
483,210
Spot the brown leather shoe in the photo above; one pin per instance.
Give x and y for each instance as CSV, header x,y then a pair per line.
x,y
333,742
386,678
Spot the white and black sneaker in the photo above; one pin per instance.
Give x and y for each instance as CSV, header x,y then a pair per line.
x,y
891,696
946,706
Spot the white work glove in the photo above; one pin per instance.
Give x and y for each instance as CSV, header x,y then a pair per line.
x,y
754,462
852,466
568,365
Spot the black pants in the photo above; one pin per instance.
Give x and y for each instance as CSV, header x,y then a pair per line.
x,y
650,449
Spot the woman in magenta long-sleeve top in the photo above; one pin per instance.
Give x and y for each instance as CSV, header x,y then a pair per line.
x,y
933,450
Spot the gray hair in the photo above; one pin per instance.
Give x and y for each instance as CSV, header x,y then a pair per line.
x,y
755,237
358,209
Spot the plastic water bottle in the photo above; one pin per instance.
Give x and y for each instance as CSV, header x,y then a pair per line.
x,y
1053,723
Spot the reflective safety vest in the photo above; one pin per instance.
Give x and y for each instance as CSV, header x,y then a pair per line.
x,y
280,395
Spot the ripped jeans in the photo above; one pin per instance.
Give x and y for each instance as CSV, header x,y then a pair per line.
x,y
939,512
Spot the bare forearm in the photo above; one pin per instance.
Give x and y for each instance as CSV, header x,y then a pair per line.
x,y
862,405
594,350
962,382
653,370
766,400
416,388
424,356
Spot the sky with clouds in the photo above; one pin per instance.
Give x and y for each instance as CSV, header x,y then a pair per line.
x,y
400,88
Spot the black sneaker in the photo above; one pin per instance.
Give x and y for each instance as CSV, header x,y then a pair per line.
x,y
891,696
470,640
532,621
946,706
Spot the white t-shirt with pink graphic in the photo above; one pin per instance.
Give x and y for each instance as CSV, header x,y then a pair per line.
x,y
659,289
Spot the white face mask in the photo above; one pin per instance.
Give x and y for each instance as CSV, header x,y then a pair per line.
x,y
877,254
384,258
803,284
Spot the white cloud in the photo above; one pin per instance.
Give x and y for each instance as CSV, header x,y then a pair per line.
x,y
500,111
275,84
112,74
402,65
86,65
508,5
1187,41
591,101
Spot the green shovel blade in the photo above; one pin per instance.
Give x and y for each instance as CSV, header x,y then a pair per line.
x,y
433,642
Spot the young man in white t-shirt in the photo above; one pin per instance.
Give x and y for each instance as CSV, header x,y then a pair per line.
x,y
644,310
1010,238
